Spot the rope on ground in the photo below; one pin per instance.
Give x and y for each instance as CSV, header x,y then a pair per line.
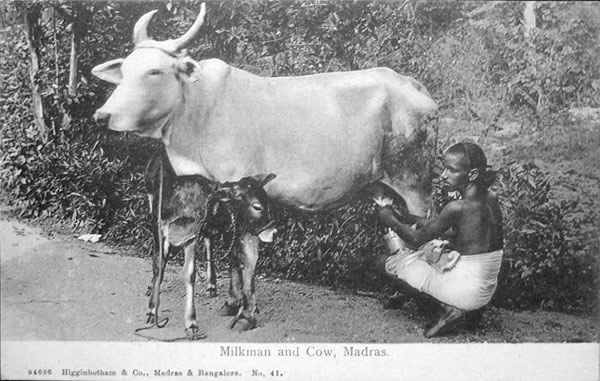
x,y
162,324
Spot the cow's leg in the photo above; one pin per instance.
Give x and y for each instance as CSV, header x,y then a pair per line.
x,y
189,276
211,274
249,257
159,263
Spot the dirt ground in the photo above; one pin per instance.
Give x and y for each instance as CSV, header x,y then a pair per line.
x,y
59,288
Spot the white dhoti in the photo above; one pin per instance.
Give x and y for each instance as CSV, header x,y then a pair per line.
x,y
469,285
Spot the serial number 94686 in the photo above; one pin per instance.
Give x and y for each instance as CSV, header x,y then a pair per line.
x,y
39,372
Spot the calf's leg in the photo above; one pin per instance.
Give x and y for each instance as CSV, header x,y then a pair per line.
x,y
235,301
159,263
211,275
189,276
249,257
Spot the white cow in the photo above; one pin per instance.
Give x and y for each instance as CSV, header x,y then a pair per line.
x,y
325,136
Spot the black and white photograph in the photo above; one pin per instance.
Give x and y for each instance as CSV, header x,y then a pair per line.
x,y
299,190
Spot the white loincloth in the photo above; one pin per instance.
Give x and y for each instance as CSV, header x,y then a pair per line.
x,y
469,285
438,256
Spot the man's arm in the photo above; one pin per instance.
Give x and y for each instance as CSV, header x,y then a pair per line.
x,y
400,212
404,217
430,229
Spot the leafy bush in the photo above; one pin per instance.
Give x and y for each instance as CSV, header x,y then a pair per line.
x,y
79,185
547,263
15,97
334,249
552,69
82,176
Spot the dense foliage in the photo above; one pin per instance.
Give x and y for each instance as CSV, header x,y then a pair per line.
x,y
473,57
547,263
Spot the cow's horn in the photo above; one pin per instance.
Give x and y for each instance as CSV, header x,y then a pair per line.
x,y
140,30
184,40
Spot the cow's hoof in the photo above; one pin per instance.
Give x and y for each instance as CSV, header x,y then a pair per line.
x,y
243,323
228,310
194,333
149,291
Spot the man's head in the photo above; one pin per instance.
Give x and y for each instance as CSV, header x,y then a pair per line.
x,y
466,163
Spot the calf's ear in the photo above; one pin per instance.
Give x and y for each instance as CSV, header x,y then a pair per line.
x,y
191,68
264,179
109,71
267,235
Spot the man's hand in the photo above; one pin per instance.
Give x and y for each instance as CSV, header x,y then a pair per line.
x,y
395,213
387,215
383,201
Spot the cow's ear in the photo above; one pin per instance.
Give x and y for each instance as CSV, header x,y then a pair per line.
x,y
109,71
264,179
190,68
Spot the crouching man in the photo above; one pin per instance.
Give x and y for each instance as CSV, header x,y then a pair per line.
x,y
467,279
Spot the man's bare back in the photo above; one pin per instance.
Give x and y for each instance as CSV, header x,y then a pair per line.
x,y
477,224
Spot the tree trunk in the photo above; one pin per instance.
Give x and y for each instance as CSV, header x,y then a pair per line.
x,y
529,19
75,41
81,16
32,30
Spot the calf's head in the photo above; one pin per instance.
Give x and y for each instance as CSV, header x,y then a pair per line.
x,y
248,197
149,81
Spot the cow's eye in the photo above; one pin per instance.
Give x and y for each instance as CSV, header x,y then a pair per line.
x,y
155,72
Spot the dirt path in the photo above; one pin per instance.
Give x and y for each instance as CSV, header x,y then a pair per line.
x,y
65,289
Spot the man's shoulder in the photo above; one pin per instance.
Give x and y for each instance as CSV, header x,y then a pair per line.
x,y
468,206
456,206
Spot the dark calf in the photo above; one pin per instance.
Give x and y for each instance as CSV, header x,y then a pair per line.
x,y
250,211
191,209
